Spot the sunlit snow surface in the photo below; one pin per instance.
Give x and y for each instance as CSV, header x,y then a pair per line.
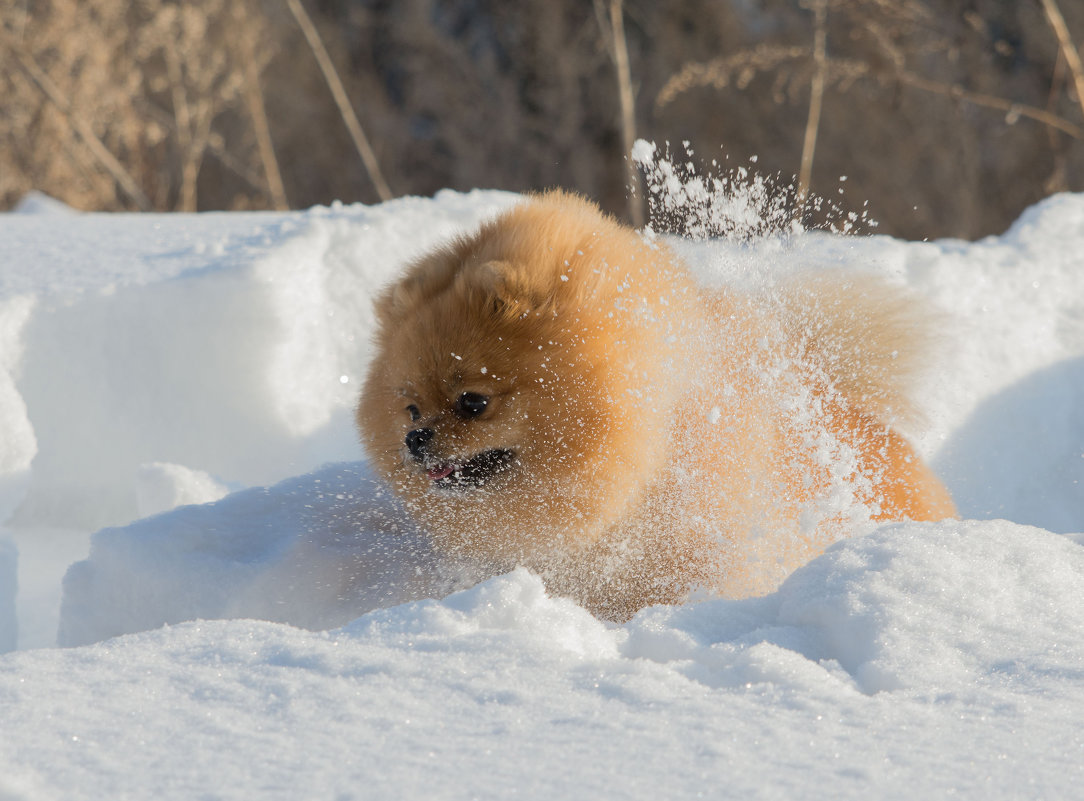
x,y
151,361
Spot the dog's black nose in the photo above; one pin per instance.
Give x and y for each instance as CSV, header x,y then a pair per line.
x,y
417,441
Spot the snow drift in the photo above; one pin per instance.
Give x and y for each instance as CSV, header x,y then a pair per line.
x,y
266,554
317,552
919,661
147,362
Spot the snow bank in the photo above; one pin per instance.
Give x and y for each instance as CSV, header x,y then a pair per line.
x,y
943,607
161,486
148,362
1006,400
315,551
919,661
992,457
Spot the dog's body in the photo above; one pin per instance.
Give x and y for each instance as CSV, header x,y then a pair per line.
x,y
557,392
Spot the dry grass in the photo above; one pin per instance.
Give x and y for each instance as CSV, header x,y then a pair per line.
x,y
77,127
139,96
798,69
182,104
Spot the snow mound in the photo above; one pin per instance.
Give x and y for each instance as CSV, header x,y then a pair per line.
x,y
35,202
147,362
161,486
992,456
942,606
929,607
910,605
512,610
315,551
900,664
1009,441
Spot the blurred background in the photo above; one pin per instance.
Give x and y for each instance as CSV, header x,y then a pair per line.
x,y
946,117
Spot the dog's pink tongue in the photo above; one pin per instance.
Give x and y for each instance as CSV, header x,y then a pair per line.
x,y
437,473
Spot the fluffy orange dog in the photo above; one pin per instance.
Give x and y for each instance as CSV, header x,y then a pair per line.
x,y
556,392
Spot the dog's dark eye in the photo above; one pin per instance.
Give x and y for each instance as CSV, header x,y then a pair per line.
x,y
471,404
415,415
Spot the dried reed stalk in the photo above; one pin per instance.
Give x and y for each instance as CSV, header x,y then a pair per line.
x,y
262,128
737,69
191,157
257,110
614,34
1068,49
361,141
816,99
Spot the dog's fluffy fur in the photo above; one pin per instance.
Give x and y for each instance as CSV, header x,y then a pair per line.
x,y
555,391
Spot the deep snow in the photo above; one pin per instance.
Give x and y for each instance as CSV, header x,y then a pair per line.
x,y
151,361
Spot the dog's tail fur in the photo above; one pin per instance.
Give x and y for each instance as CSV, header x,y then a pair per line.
x,y
870,341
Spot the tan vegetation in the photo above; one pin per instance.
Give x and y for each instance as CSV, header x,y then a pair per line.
x,y
947,119
118,105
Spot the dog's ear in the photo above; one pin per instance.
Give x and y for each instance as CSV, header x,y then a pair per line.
x,y
507,290
493,278
392,305
422,280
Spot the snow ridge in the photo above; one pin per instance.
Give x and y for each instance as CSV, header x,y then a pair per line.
x,y
300,639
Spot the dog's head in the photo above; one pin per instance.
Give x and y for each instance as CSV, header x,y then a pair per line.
x,y
519,395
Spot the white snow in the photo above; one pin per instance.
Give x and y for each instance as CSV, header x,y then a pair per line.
x,y
299,640
9,561
161,486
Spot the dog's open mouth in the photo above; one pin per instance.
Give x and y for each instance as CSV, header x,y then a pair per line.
x,y
472,473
